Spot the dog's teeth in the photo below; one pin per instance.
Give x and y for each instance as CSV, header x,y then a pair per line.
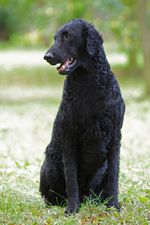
x,y
70,60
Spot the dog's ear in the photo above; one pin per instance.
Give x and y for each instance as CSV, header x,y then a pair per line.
x,y
93,40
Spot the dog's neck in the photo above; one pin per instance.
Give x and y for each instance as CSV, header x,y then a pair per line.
x,y
96,68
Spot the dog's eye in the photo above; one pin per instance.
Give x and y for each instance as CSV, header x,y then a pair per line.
x,y
66,35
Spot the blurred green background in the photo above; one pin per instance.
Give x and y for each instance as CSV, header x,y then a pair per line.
x,y
30,92
124,24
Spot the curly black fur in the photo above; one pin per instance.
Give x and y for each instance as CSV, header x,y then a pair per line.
x,y
83,155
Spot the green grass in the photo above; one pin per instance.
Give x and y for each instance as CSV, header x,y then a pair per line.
x,y
29,101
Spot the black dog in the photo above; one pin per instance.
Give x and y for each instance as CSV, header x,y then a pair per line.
x,y
83,156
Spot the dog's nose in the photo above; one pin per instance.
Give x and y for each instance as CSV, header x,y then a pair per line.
x,y
48,56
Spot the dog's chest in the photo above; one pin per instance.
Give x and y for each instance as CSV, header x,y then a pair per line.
x,y
80,96
80,103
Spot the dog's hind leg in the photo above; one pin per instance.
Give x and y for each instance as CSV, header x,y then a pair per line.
x,y
96,185
52,182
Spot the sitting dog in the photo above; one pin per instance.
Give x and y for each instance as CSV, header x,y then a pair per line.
x,y
82,158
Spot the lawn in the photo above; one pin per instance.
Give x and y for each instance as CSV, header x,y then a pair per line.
x,y
28,104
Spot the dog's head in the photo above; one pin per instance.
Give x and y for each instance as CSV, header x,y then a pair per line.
x,y
75,43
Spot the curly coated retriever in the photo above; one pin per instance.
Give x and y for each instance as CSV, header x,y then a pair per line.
x,y
82,158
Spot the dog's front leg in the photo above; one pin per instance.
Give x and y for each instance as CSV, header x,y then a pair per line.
x,y
70,169
113,172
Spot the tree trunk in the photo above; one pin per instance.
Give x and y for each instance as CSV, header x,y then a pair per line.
x,y
132,61
142,11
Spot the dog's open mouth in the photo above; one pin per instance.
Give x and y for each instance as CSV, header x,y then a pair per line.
x,y
67,65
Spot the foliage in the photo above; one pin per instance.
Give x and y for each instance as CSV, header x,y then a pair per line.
x,y
41,16
129,21
123,22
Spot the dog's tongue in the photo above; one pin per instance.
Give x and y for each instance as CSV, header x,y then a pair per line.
x,y
63,66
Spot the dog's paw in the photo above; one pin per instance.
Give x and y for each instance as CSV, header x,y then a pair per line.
x,y
71,209
114,204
